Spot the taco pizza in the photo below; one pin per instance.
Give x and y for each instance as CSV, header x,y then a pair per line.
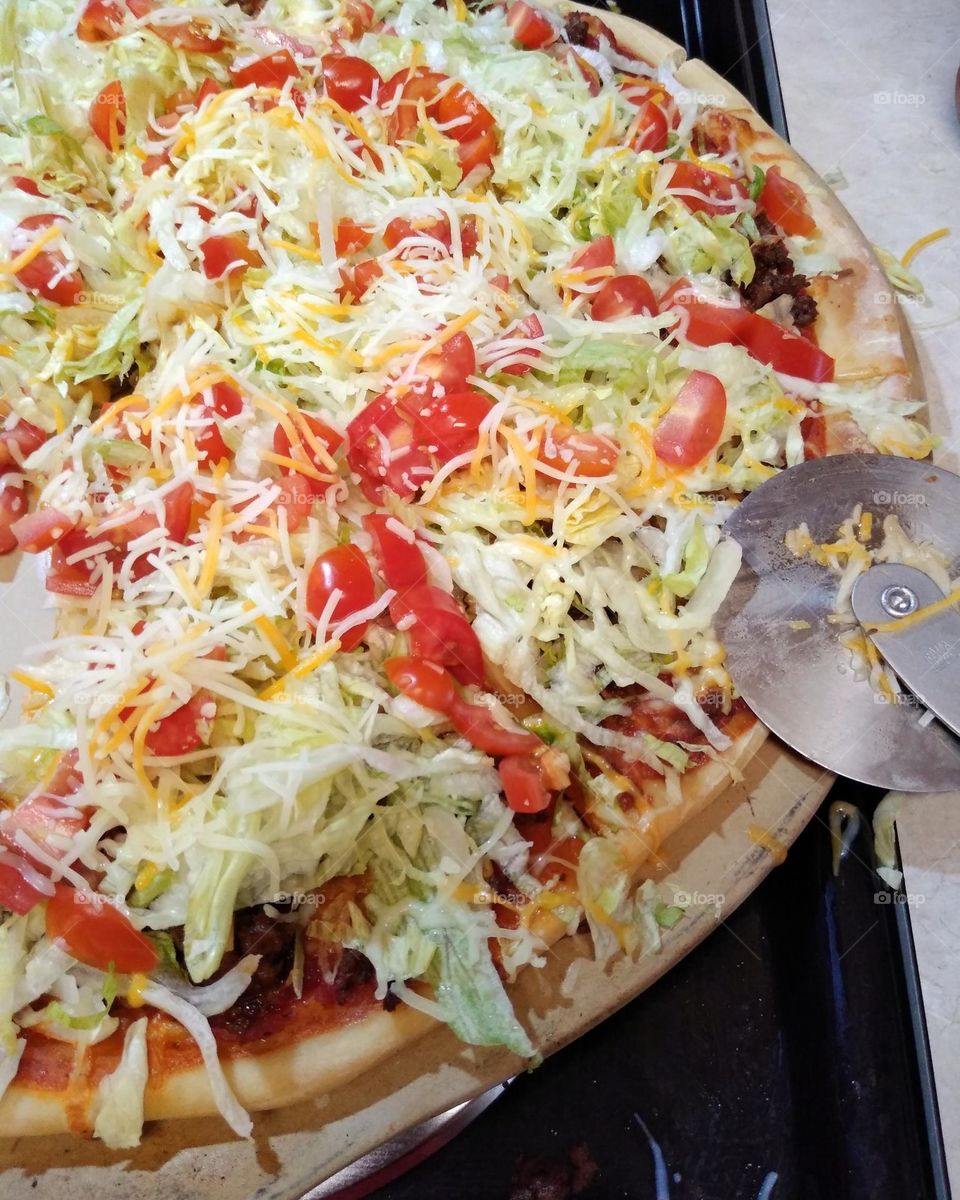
x,y
376,382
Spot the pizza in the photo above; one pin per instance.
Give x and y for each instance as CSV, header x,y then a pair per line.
x,y
376,382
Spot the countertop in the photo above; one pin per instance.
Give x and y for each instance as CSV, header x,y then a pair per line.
x,y
868,87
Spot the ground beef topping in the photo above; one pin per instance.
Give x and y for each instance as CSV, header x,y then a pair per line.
x,y
775,276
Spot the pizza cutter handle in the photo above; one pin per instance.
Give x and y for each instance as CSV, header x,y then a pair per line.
x,y
923,650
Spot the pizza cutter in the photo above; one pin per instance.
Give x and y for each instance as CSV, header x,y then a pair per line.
x,y
784,652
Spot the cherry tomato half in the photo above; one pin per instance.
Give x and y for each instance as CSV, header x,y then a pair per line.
x,y
343,569
108,115
440,632
623,296
100,20
649,129
272,70
785,203
694,423
706,191
400,561
422,681
523,786
97,933
350,81
585,453
531,28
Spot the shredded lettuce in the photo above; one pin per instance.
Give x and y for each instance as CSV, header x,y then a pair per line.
x,y
118,1105
470,992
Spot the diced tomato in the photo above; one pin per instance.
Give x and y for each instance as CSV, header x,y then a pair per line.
x,y
97,933
449,424
23,184
694,423
423,682
227,255
448,367
350,81
270,36
358,16
400,561
211,448
100,20
37,531
478,152
440,632
208,88
108,115
75,579
47,818
329,438
813,429
13,505
351,237
523,786
785,351
565,53
478,725
177,515
382,450
221,400
531,28
343,569
527,329
18,443
594,261
706,322
48,274
457,103
712,192
436,229
17,892
225,400
624,296
196,35
639,90
179,732
785,203
272,70
589,454
412,86
153,162
356,281
298,494
563,857
649,129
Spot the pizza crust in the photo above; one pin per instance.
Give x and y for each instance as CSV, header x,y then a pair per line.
x,y
861,327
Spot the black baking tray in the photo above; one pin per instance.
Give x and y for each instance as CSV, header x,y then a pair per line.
x,y
786,1057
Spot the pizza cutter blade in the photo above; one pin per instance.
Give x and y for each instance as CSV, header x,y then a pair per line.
x,y
784,653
